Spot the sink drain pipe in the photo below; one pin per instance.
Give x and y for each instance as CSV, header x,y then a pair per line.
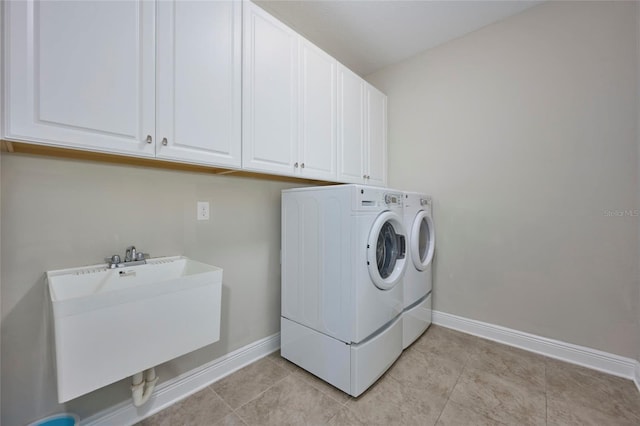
x,y
142,386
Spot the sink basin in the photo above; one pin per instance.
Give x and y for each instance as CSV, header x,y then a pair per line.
x,y
112,323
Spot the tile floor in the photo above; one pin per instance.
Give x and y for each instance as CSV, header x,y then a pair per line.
x,y
444,378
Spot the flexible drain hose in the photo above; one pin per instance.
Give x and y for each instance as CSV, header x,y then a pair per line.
x,y
142,386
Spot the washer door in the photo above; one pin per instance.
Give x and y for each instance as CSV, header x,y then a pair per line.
x,y
423,241
386,250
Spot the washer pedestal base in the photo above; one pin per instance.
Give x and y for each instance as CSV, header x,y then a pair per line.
x,y
415,321
352,368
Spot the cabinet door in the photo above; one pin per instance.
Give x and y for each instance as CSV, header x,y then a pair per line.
x,y
351,131
198,86
317,113
270,93
376,103
81,74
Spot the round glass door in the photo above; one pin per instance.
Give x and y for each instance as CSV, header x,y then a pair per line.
x,y
386,250
422,241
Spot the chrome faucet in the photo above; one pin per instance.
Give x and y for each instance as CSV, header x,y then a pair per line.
x,y
132,257
130,254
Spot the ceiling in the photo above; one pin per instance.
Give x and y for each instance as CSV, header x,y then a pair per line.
x,y
367,35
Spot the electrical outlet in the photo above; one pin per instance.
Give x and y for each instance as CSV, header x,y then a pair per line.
x,y
203,210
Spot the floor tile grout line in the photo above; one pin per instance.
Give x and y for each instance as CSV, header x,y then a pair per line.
x,y
259,395
210,387
339,407
561,398
342,404
241,419
342,407
289,372
226,403
295,372
466,367
334,416
452,389
546,395
235,411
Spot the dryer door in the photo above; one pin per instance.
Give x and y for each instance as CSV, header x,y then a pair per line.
x,y
386,250
422,240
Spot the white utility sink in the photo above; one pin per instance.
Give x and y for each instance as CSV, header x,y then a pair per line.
x,y
112,323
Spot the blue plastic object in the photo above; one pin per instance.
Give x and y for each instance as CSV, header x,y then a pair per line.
x,y
59,420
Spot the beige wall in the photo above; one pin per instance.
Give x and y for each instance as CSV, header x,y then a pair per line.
x,y
525,134
61,213
638,141
0,278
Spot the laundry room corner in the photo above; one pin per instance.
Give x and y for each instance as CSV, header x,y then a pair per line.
x,y
525,133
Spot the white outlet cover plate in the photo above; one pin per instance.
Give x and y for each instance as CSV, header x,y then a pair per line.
x,y
203,210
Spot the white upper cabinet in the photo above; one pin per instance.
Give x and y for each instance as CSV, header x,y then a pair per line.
x,y
219,83
289,101
351,127
81,74
376,148
199,82
362,131
270,93
318,130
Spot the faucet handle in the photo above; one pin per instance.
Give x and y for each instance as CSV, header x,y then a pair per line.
x,y
141,256
113,261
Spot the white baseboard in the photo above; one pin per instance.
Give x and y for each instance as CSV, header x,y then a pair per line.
x,y
176,389
580,355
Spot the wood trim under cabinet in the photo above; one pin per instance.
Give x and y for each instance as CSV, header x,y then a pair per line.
x,y
6,146
74,154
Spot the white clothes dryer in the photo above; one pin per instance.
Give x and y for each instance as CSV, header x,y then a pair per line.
x,y
343,261
418,220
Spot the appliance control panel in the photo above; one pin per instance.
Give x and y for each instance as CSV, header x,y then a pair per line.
x,y
393,199
375,198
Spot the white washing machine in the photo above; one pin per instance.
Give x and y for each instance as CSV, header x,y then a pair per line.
x,y
418,220
343,260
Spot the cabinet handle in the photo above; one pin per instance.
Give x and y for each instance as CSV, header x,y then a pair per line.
x,y
302,166
364,176
368,177
295,165
164,141
149,139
